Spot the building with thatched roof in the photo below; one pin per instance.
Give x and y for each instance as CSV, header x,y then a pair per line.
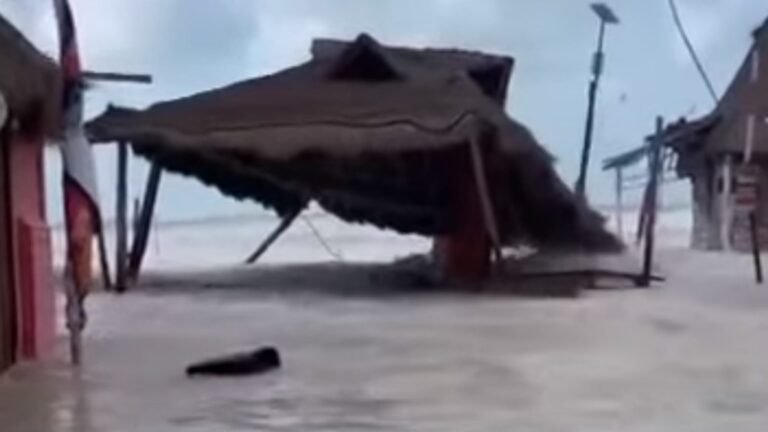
x,y
28,87
415,141
28,79
725,155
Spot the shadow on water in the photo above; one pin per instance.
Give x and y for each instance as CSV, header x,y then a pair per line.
x,y
404,278
330,279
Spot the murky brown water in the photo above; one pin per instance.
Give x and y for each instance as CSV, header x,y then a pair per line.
x,y
633,361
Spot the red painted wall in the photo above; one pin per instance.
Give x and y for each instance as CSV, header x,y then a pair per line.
x,y
32,249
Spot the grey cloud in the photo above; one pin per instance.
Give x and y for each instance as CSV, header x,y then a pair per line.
x,y
192,45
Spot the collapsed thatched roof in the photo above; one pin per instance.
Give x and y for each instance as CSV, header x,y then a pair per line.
x,y
29,80
373,134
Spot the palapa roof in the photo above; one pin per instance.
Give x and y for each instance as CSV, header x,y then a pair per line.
x,y
725,128
374,134
29,80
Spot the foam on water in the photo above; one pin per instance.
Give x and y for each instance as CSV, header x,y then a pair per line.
x,y
228,241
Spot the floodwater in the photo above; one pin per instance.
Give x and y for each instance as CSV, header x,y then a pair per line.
x,y
658,360
686,356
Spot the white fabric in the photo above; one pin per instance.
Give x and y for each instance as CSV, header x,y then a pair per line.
x,y
77,156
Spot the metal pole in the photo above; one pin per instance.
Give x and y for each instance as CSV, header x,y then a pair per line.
x,y
597,68
620,203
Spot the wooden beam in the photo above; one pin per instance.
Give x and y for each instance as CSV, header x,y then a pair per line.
x,y
284,224
489,214
121,223
106,277
726,214
135,216
753,228
117,77
642,218
748,148
144,224
650,228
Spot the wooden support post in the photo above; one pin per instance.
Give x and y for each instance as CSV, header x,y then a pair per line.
x,y
620,202
663,157
135,215
144,224
756,248
284,224
489,213
106,279
121,225
653,184
642,219
753,223
726,202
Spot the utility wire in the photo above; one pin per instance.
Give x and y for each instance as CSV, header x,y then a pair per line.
x,y
692,51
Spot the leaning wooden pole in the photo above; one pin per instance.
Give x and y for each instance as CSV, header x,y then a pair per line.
x,y
653,187
753,219
265,245
753,230
481,181
104,260
121,223
642,218
620,203
144,224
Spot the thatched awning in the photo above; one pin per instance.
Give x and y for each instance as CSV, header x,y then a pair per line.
x,y
373,134
29,80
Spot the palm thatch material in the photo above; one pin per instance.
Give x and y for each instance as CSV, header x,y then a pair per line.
x,y
29,80
373,134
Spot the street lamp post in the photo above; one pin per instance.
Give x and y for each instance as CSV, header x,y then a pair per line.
x,y
606,16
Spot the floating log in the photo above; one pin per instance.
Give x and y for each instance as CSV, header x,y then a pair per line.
x,y
259,361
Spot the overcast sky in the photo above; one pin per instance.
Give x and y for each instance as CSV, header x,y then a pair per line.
x,y
189,46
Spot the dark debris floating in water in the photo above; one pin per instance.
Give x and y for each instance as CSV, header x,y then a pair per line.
x,y
260,361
